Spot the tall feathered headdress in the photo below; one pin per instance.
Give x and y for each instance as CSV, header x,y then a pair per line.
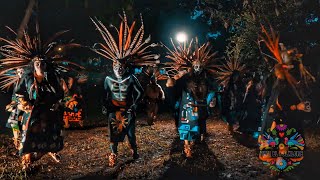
x,y
19,53
272,42
184,55
227,69
126,47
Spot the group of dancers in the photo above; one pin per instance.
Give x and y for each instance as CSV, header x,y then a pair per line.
x,y
39,88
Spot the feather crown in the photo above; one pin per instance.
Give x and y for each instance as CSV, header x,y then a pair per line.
x,y
130,49
19,53
226,70
280,53
185,55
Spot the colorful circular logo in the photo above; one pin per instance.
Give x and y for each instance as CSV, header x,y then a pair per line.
x,y
281,147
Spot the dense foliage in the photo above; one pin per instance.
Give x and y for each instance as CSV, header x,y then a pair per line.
x,y
295,20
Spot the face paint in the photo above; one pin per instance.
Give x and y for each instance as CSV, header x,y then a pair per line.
x,y
118,69
196,66
20,72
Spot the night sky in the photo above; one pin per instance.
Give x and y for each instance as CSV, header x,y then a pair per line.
x,y
161,21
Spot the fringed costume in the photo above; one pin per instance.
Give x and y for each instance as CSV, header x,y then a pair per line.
x,y
39,93
228,75
14,120
192,65
123,90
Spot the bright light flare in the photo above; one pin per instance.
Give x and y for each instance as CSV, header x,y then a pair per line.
x,y
181,37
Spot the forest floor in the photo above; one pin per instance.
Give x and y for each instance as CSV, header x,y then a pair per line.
x,y
221,156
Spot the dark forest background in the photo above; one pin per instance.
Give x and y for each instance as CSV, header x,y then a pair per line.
x,y
231,25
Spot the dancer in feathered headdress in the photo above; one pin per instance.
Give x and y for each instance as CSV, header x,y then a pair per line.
x,y
287,95
192,64
228,74
123,91
188,58
39,93
287,99
228,70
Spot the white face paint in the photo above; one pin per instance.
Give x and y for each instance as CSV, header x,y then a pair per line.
x,y
20,72
196,66
118,69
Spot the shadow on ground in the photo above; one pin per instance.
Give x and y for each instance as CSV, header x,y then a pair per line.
x,y
245,140
203,165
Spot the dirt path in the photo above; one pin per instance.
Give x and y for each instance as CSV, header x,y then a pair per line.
x,y
220,157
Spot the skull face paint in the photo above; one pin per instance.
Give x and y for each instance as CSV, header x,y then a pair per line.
x,y
20,72
118,69
196,65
